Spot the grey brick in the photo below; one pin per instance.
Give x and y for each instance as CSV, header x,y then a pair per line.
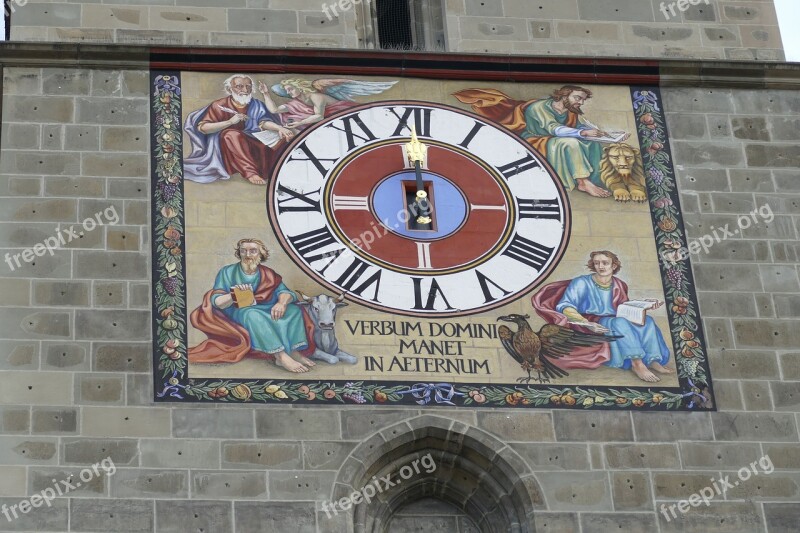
x,y
176,516
782,516
738,516
272,455
360,423
544,456
111,515
631,491
112,325
262,20
180,453
212,423
15,420
140,483
123,452
90,486
64,356
116,265
56,293
521,427
99,390
55,421
300,484
297,424
52,518
577,491
754,426
628,522
756,395
653,426
23,450
594,427
639,456
717,455
229,485
121,357
734,364
256,517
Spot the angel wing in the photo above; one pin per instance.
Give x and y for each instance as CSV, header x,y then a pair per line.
x,y
343,89
506,337
558,341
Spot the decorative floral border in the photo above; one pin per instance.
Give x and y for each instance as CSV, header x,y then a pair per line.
x,y
172,382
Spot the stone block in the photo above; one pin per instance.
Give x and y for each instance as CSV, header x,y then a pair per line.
x,y
710,154
52,137
297,424
790,364
115,266
757,395
319,24
767,334
772,155
19,355
16,291
326,455
588,31
121,357
128,188
53,518
116,165
81,137
13,481
272,455
577,491
35,388
540,29
212,423
149,37
728,395
141,483
229,485
786,395
58,293
139,389
99,390
176,516
360,423
21,136
754,483
90,485
112,111
481,8
21,186
125,422
782,516
54,420
783,456
125,138
300,484
112,325
109,293
38,109
111,515
74,186
524,426
24,450
25,81
137,212
779,278
680,485
696,100
649,456
556,522
39,210
723,304
597,426
686,126
58,15
88,451
631,491
262,20
15,420
702,179
180,453
765,306
735,364
657,426
777,427
750,128
719,334
628,522
718,517
543,456
256,517
714,455
138,295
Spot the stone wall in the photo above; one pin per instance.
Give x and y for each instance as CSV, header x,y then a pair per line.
x,y
712,29
75,362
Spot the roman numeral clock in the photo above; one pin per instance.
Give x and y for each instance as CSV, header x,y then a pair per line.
x,y
344,203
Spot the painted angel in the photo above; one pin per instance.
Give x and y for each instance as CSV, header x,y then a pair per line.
x,y
311,102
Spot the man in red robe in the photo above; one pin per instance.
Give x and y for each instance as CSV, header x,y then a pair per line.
x,y
222,136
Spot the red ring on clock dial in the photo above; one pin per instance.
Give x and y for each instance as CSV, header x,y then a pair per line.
x,y
487,210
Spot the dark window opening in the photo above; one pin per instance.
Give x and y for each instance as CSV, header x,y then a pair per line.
x,y
409,24
394,24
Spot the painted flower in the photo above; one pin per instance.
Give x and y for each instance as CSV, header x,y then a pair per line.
x,y
303,389
173,381
638,402
657,398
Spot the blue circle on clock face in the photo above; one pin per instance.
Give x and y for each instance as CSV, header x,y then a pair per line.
x,y
449,205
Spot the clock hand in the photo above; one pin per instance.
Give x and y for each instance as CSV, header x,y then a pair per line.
x,y
416,152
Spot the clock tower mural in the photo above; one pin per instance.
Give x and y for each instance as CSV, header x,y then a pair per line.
x,y
417,241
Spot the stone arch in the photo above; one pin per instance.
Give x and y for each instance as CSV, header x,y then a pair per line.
x,y
472,470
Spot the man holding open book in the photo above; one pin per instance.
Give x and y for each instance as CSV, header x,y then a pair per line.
x,y
599,302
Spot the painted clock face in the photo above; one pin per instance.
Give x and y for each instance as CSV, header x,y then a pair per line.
x,y
339,203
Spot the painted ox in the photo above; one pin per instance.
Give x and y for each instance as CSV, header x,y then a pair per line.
x,y
322,310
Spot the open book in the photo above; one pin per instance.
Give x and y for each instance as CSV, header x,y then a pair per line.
x,y
613,137
267,137
634,311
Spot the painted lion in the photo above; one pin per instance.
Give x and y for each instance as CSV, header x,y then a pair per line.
x,y
622,172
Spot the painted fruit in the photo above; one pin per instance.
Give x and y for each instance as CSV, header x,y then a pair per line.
x,y
241,392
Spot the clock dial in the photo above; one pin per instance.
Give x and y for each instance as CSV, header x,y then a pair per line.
x,y
338,201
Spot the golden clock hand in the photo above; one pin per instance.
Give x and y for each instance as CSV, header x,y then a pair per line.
x,y
416,152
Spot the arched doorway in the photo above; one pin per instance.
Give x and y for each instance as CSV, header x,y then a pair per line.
x,y
431,457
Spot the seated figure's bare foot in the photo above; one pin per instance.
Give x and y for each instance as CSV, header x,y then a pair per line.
x,y
590,188
661,369
643,372
284,361
303,360
256,180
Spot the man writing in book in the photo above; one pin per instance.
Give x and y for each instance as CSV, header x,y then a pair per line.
x,y
593,302
223,136
556,128
250,312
